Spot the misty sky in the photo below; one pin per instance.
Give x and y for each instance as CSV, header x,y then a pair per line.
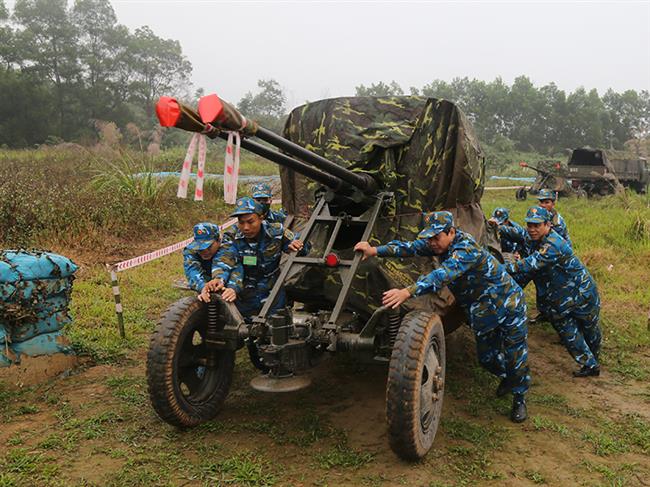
x,y
323,49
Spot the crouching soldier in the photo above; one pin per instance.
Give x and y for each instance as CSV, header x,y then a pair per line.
x,y
570,294
547,198
200,258
251,258
493,301
501,216
261,192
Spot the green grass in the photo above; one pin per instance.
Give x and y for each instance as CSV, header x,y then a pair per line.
x,y
245,468
343,456
541,423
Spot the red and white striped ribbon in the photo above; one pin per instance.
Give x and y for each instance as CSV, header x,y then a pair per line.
x,y
200,173
156,254
231,168
184,181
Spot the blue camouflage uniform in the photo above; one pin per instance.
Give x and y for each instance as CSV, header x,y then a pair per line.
x,y
502,217
493,301
199,271
520,237
253,266
570,293
557,222
263,190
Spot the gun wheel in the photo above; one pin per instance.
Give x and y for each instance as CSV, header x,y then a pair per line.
x,y
184,390
521,194
415,386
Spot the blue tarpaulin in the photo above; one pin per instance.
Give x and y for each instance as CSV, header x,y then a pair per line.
x,y
35,290
513,178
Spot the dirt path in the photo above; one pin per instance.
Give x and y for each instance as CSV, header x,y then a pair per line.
x,y
97,428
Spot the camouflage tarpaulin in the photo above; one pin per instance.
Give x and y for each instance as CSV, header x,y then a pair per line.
x,y
422,149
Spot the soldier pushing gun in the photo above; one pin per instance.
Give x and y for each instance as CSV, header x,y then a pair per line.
x,y
493,301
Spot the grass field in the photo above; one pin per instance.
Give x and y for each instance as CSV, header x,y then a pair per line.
x,y
96,427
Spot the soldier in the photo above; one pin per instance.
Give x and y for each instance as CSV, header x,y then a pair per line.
x,y
569,291
547,198
493,301
501,216
261,192
252,258
199,259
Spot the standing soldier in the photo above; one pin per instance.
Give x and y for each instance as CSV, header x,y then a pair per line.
x,y
501,216
493,301
261,192
252,258
547,198
570,293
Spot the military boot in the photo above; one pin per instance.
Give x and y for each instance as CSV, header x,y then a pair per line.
x,y
519,412
504,387
587,371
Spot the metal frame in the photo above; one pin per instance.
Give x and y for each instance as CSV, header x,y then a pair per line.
x,y
346,268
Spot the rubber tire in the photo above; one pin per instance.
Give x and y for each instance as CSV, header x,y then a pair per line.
x,y
407,364
180,319
521,194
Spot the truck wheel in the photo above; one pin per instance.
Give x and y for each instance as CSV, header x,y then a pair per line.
x,y
520,194
183,389
415,386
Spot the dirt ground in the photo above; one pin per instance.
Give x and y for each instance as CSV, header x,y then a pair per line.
x,y
96,427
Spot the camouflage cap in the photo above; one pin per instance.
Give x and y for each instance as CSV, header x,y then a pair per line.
x,y
436,222
204,235
537,214
546,194
261,190
501,215
247,205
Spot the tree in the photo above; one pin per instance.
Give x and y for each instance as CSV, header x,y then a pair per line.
x,y
47,45
380,89
268,106
159,67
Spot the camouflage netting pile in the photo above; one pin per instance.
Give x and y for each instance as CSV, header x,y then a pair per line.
x,y
35,289
423,150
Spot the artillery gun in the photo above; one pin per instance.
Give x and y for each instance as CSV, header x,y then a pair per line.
x,y
352,169
550,175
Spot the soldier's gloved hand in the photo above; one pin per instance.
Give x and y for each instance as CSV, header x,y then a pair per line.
x,y
367,249
296,246
228,295
394,297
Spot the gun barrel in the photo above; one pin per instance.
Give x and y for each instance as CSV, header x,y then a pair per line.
x,y
171,113
223,115
364,182
284,160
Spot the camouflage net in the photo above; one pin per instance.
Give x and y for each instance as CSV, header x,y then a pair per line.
x,y
422,149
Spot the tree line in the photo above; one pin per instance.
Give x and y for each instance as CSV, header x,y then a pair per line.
x,y
64,68
543,119
67,67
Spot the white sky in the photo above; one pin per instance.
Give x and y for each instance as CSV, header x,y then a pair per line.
x,y
323,49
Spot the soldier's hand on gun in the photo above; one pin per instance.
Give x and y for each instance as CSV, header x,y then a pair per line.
x,y
228,295
394,297
215,285
204,295
493,222
296,246
367,249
